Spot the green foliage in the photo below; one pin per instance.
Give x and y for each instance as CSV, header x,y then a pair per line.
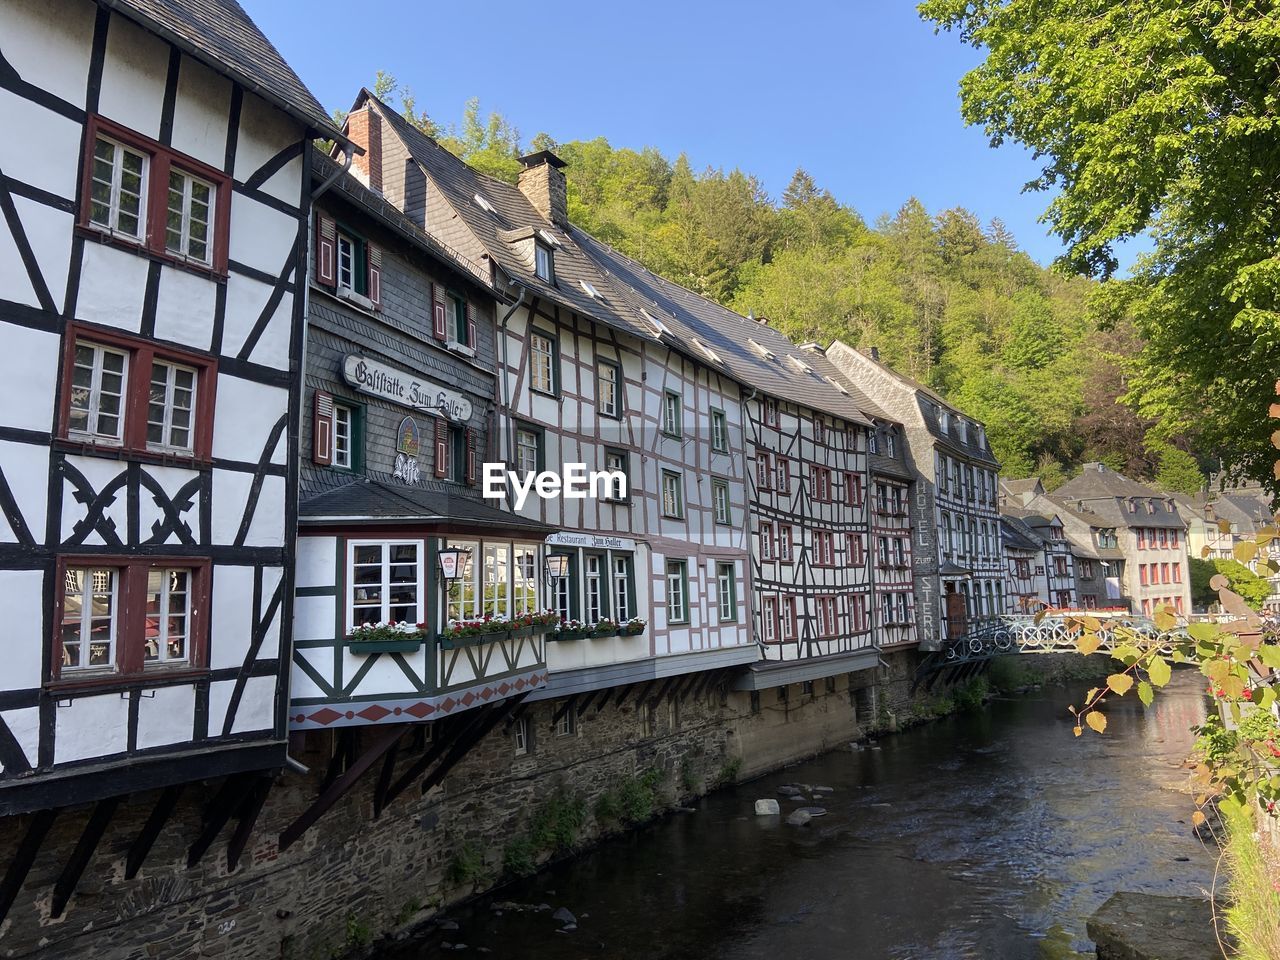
x,y
1154,119
608,809
690,778
466,867
1176,469
520,857
1243,581
1253,891
729,771
359,934
558,821
972,695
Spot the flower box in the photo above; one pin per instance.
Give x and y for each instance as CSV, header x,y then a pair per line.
x,y
407,645
519,632
574,634
601,632
631,630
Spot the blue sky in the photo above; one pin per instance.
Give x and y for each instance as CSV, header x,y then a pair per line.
x,y
862,94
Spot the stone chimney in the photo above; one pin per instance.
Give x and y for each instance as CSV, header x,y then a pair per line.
x,y
364,128
543,184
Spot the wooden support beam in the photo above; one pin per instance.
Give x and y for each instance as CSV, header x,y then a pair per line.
x,y
383,739
384,780
248,817
464,744
94,828
341,758
515,715
229,798
23,857
582,707
564,708
160,815
695,682
662,692
622,694
443,737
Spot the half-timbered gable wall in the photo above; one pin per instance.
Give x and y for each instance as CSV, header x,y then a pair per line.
x,y
956,541
148,400
400,416
892,561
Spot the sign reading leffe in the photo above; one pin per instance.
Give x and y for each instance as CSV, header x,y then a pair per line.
x,y
400,386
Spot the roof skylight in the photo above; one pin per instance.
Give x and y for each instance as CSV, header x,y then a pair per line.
x,y
592,292
760,349
837,384
483,203
659,328
706,351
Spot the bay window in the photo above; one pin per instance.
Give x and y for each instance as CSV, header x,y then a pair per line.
x,y
384,582
497,579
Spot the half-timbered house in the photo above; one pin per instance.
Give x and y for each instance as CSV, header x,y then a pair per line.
x,y
892,559
151,260
400,413
959,567
589,373
1026,585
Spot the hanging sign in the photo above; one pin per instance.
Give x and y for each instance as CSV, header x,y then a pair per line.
x,y
407,437
400,386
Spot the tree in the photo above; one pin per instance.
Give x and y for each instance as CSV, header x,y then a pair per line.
x,y
1243,581
1158,118
1176,469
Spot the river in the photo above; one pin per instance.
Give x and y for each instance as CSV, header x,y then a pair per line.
x,y
986,835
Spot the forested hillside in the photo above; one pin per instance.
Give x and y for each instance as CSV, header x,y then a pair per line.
x,y
947,299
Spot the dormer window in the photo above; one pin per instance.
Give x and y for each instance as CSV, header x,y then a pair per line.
x,y
543,263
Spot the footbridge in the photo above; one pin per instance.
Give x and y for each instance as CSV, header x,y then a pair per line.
x,y
969,654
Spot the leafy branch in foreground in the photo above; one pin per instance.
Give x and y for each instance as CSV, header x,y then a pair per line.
x,y
1238,659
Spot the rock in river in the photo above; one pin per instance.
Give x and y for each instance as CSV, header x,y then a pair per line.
x,y
799,817
767,807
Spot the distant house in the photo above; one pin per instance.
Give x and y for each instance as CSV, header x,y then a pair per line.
x,y
1083,562
1025,584
1219,522
1143,525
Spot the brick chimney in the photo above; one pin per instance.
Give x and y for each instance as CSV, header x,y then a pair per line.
x,y
543,184
364,128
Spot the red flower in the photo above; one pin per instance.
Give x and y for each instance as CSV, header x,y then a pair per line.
x,y
1247,694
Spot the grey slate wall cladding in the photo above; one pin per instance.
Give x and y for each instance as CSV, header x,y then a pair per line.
x,y
399,335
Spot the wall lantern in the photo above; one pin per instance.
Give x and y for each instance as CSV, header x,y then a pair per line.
x,y
557,567
452,561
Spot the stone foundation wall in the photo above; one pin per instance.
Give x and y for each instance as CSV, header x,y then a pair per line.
x,y
352,878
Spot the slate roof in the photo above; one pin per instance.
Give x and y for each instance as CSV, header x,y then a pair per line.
x,y
1018,535
377,501
627,290
888,466
1102,491
220,34
1016,488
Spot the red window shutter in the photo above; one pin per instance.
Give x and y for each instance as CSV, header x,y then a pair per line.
x,y
375,275
471,326
471,456
440,328
322,429
326,251
442,448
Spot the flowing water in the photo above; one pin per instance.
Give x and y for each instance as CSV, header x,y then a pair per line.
x,y
987,835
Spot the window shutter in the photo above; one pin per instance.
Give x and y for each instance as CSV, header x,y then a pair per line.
x,y
442,448
322,429
440,328
375,274
471,326
326,251
471,456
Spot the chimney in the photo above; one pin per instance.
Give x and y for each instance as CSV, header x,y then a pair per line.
x,y
543,184
364,128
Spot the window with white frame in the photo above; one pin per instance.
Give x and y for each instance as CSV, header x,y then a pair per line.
x,y
384,581
567,725
543,264
189,219
608,378
524,579
118,188
720,501
886,609
769,618
496,582
168,616
542,352
98,381
677,591
671,414
89,614
528,451
672,495
622,606
348,269
719,431
616,461
787,623
562,590
785,543
766,539
171,406
343,436
727,592
593,587
520,736
827,619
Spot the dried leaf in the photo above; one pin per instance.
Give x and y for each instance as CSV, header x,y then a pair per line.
x,y
1077,730
1096,721
1197,818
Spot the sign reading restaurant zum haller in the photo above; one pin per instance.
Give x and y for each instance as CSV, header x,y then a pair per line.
x,y
590,541
400,386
